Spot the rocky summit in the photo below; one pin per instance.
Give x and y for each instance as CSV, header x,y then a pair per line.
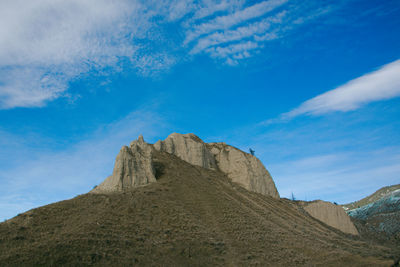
x,y
183,202
135,165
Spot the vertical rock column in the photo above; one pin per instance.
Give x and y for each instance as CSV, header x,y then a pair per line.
x,y
133,167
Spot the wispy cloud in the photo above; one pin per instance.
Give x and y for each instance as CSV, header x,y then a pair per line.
x,y
335,177
209,7
44,44
222,52
225,22
237,34
381,84
47,44
33,176
260,23
234,52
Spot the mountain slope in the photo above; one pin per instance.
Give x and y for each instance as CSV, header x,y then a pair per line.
x,y
379,218
384,191
190,216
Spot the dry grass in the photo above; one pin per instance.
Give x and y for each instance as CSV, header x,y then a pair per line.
x,y
190,217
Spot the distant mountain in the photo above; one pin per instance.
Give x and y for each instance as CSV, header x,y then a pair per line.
x,y
186,203
378,215
384,191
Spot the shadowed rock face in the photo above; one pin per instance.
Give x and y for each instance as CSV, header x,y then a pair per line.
x,y
134,165
332,215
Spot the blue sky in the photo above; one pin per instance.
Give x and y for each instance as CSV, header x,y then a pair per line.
x,y
312,86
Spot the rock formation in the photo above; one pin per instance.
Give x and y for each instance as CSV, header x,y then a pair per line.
x,y
189,148
134,165
244,169
332,215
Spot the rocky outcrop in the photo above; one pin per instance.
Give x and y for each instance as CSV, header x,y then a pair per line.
x,y
244,169
133,167
189,148
332,215
240,167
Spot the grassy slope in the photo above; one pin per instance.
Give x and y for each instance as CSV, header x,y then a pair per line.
x,y
191,217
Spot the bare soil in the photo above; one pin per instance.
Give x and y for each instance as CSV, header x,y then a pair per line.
x,y
190,217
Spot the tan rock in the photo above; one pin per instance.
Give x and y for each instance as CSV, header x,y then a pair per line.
x,y
240,167
332,215
189,148
244,169
133,167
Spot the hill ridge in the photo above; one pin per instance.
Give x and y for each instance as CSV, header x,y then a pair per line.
x,y
190,216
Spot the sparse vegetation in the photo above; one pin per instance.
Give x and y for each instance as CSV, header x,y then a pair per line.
x,y
190,217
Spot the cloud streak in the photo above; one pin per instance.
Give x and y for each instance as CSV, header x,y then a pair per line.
x,y
225,22
334,177
64,173
381,84
45,45
238,34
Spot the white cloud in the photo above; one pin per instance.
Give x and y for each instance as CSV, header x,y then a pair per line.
x,y
381,84
225,22
170,10
319,12
237,34
342,177
233,52
209,7
29,87
222,52
47,44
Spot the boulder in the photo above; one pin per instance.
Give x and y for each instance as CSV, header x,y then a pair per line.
x,y
332,215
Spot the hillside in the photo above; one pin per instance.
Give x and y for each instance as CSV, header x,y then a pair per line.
x,y
378,219
384,191
191,216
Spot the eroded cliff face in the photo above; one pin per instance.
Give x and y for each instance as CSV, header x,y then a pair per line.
x,y
244,169
240,167
189,148
134,165
332,215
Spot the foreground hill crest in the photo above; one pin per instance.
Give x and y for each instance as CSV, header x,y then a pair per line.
x,y
135,165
